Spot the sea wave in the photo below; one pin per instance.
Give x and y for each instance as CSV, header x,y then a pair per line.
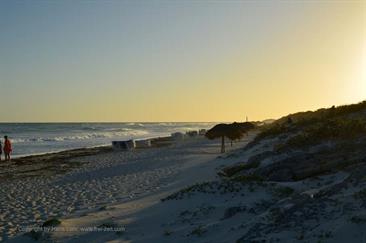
x,y
85,136
135,124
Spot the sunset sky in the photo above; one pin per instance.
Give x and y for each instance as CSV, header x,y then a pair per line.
x,y
178,60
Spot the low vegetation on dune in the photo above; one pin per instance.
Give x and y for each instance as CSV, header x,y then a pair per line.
x,y
332,130
301,176
298,121
308,144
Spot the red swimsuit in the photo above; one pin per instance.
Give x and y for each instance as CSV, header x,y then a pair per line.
x,y
7,146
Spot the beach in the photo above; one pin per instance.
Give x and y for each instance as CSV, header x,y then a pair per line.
x,y
271,186
183,121
77,182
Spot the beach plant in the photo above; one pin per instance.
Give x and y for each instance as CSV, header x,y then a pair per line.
x,y
323,235
198,231
322,124
300,236
35,235
108,224
51,223
167,232
102,208
248,178
360,195
232,211
204,187
330,130
214,187
232,170
276,215
358,219
283,191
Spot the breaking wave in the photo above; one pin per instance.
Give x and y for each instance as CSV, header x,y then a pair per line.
x,y
113,133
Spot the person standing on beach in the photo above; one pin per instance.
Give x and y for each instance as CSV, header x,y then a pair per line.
x,y
1,150
7,148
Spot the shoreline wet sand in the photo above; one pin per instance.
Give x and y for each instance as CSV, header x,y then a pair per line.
x,y
53,163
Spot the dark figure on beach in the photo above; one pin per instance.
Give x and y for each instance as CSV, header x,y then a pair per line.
x,y
1,150
7,148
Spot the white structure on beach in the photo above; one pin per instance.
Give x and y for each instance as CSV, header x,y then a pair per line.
x,y
177,136
192,133
202,132
124,145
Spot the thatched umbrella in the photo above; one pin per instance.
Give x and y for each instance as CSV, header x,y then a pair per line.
x,y
232,131
219,131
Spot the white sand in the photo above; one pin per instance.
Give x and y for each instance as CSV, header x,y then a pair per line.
x,y
132,184
132,181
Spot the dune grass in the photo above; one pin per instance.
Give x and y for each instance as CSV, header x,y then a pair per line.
x,y
336,123
329,130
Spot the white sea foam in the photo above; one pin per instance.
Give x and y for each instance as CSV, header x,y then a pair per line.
x,y
42,138
85,136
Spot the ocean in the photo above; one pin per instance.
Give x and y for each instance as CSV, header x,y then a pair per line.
x,y
38,138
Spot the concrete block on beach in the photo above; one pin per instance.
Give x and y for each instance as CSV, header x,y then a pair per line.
x,y
145,143
161,141
124,145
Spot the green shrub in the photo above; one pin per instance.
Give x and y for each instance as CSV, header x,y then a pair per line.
x,y
272,130
360,195
248,178
358,219
167,232
205,187
51,223
282,192
303,120
108,225
232,170
199,231
329,130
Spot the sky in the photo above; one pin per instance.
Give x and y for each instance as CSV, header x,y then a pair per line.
x,y
150,61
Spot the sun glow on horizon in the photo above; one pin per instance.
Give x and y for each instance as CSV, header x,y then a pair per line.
x,y
179,61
